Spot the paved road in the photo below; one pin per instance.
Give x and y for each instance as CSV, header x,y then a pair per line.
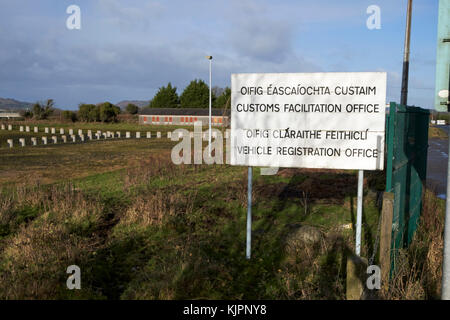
x,y
437,164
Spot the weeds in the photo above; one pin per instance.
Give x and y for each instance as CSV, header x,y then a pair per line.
x,y
419,267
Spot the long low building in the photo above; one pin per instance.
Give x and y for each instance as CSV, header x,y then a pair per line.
x,y
183,116
4,114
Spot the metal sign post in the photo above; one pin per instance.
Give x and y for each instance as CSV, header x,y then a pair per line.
x,y
249,212
359,212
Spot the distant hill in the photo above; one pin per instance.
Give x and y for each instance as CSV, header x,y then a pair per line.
x,y
139,103
12,104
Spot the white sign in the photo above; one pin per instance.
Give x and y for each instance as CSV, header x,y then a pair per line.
x,y
308,120
443,94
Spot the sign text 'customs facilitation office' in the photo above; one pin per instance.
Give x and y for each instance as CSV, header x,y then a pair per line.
x,y
309,120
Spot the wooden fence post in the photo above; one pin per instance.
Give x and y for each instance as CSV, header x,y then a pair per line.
x,y
387,212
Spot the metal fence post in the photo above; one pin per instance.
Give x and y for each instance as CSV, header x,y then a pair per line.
x,y
390,145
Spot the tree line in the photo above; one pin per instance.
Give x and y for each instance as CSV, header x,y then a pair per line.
x,y
104,112
195,95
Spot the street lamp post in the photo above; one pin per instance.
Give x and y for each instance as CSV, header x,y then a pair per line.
x,y
210,102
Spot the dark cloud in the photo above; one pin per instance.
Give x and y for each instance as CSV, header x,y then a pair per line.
x,y
127,50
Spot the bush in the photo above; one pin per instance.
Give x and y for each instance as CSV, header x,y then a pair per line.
x,y
69,115
132,108
88,112
41,112
108,112
27,114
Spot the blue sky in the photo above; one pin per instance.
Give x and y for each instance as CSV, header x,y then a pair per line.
x,y
128,49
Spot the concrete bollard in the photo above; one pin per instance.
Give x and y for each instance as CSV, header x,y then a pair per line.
x,y
3,127
53,130
9,127
82,137
169,135
74,138
97,135
128,135
21,128
10,142
34,141
105,135
118,134
89,132
71,132
61,131
149,135
27,129
22,142
55,139
44,140
64,139
138,135
80,132
36,129
46,130
158,135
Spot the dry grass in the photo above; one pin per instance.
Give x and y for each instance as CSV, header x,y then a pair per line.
x,y
156,165
150,210
46,226
34,261
419,267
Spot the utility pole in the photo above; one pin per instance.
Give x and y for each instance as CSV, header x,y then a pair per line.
x,y
445,295
404,96
442,99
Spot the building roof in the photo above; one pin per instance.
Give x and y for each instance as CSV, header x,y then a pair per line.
x,y
183,112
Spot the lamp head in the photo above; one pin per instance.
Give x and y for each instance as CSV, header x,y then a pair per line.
x,y
209,57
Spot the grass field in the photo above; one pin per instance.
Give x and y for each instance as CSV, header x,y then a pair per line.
x,y
140,227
